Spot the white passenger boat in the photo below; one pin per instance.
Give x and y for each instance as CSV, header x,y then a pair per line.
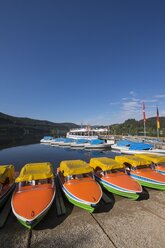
x,y
86,133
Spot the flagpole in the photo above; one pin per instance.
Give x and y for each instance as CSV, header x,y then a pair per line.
x,y
158,122
157,132
144,117
144,128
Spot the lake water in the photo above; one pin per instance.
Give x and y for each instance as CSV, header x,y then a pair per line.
x,y
21,155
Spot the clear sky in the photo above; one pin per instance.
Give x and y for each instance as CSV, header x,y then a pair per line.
x,y
83,61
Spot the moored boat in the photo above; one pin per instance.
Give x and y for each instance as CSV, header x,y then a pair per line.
x,y
79,143
97,144
151,151
128,145
34,193
66,142
158,162
110,174
131,147
57,141
139,169
7,182
121,144
46,139
78,184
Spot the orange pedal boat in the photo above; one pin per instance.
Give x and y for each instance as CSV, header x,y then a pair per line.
x,y
7,182
139,169
78,183
158,162
34,193
110,174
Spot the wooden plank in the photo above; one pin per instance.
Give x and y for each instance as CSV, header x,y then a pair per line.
x,y
5,212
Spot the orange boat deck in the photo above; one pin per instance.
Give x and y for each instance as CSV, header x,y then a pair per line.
x,y
31,201
84,188
121,179
160,167
149,173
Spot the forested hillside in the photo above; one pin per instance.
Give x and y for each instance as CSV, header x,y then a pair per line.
x,y
134,127
11,126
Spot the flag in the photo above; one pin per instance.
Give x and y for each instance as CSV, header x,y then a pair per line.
x,y
144,113
158,119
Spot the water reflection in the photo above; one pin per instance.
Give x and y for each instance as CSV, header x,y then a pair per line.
x,y
20,155
12,141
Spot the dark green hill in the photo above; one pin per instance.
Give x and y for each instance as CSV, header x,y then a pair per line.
x,y
11,126
134,127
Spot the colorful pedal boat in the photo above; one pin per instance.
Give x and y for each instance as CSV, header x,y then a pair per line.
x,y
157,161
78,184
111,176
34,193
139,169
7,182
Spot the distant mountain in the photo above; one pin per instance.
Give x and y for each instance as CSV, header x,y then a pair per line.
x,y
134,127
16,126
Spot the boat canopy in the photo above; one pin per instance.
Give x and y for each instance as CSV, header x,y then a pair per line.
x,y
6,171
134,145
74,167
140,146
132,160
105,163
60,139
152,158
123,143
81,141
35,171
96,142
68,140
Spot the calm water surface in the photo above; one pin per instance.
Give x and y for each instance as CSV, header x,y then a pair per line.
x,y
21,155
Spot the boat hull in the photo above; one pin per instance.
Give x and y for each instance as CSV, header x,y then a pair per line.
x,y
118,148
65,143
115,187
74,145
149,178
100,146
71,191
37,201
6,195
87,207
132,152
31,224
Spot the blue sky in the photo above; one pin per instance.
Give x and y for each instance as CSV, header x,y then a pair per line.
x,y
82,61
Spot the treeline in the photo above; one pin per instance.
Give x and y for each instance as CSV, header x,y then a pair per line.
x,y
134,127
20,128
11,126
